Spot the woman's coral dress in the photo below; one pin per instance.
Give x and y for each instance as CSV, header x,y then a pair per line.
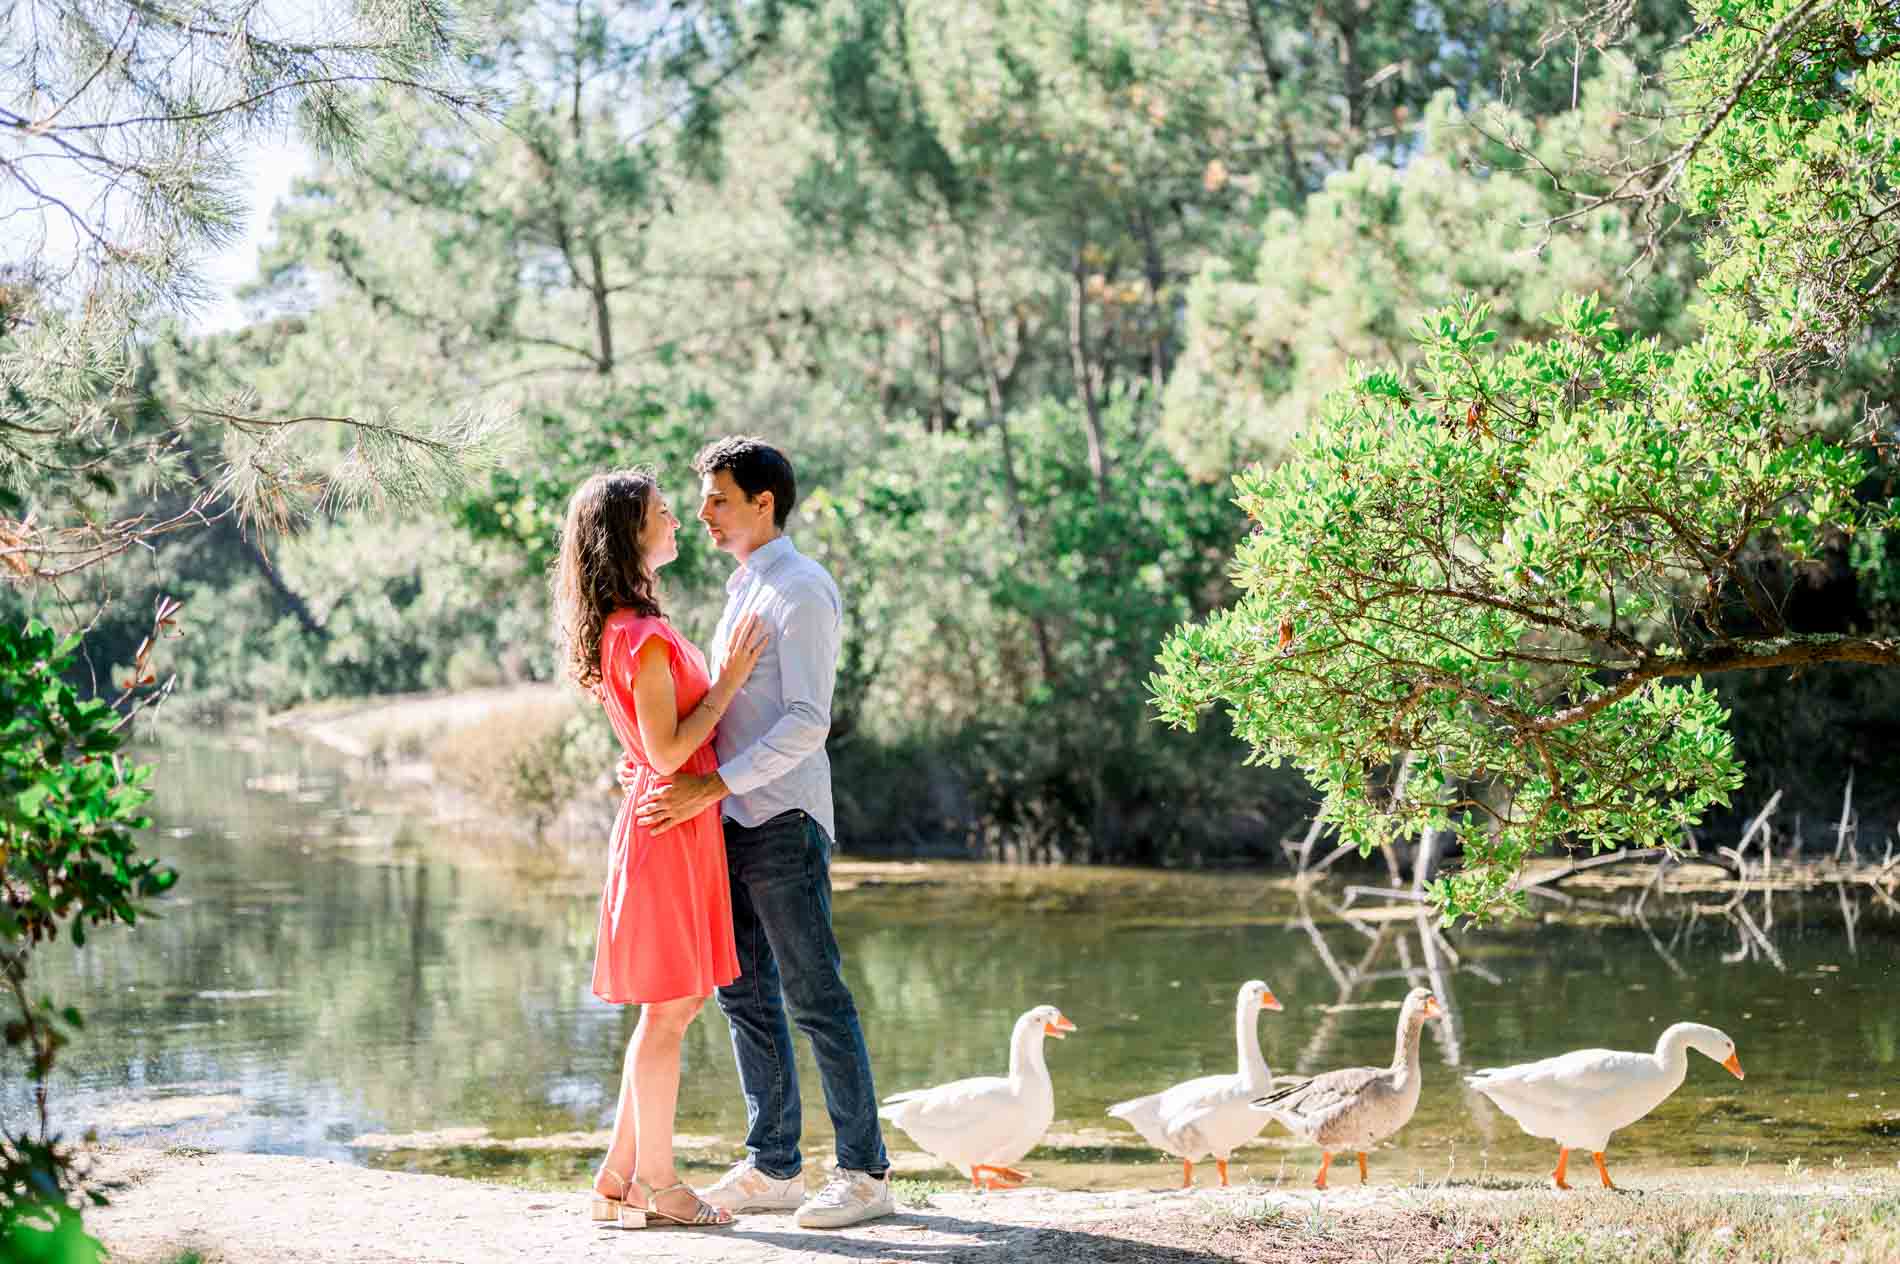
x,y
666,910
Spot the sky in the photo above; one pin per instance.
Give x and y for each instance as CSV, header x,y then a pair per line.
x,y
270,169
34,234
39,174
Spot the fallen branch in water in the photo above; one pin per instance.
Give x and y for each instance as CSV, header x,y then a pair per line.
x,y
1596,862
1386,893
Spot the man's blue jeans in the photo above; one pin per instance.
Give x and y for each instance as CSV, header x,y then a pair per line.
x,y
789,961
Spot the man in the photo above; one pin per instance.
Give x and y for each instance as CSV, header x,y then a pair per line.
x,y
776,783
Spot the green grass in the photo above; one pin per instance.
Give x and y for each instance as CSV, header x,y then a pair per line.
x,y
1674,1227
1265,1214
911,1191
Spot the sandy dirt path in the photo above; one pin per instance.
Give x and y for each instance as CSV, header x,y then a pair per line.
x,y
244,1207
264,1209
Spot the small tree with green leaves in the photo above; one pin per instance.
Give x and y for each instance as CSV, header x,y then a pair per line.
x,y
1483,594
69,809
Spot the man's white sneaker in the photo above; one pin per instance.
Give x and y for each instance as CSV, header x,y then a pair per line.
x,y
848,1198
746,1189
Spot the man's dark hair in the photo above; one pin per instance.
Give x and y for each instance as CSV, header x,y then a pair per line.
x,y
756,466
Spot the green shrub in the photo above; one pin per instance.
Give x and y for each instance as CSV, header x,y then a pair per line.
x,y
69,807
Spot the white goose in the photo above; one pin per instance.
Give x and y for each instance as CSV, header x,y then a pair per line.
x,y
1211,1115
982,1125
1578,1099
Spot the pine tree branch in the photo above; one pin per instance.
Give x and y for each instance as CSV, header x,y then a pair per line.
x,y
460,102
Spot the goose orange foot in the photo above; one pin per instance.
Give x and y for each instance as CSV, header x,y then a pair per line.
x,y
1557,1177
1362,1166
1220,1165
1602,1171
1187,1173
993,1176
1325,1163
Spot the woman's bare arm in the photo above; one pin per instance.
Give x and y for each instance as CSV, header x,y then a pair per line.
x,y
668,738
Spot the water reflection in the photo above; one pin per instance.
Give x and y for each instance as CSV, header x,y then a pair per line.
x,y
334,967
1431,966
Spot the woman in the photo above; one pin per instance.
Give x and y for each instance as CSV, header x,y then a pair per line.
x,y
665,939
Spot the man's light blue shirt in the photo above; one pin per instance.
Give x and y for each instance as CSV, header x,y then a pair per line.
x,y
771,740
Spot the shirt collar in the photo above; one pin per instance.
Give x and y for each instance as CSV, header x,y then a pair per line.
x,y
764,561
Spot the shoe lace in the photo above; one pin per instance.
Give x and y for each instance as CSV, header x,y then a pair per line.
x,y
838,1187
738,1172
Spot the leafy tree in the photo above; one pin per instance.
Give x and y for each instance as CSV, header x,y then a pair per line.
x,y
69,807
1486,572
522,505
516,253
954,235
121,133
1349,275
941,645
121,140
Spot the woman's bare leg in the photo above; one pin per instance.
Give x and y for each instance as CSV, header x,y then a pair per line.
x,y
642,1142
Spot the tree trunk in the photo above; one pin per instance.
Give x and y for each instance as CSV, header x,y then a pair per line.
x,y
287,597
1159,368
939,411
1296,186
603,318
596,284
1084,377
1352,81
993,383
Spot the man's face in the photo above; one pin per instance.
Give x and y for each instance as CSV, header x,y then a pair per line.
x,y
736,525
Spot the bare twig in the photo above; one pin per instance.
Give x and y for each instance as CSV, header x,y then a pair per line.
x,y
1847,810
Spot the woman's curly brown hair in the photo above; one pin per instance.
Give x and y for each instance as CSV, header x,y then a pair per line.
x,y
599,569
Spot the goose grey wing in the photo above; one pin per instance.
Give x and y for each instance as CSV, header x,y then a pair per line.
x,y
1276,1098
1323,1095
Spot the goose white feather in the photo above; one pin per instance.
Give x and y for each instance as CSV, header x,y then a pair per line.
x,y
986,1123
1579,1099
1211,1115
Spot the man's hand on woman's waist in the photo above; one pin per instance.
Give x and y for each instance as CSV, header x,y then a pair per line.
x,y
677,799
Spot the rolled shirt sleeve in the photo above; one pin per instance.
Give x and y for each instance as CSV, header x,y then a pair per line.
x,y
809,625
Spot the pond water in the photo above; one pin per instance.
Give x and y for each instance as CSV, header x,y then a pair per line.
x,y
342,978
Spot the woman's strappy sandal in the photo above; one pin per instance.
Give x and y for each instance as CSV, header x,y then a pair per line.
x,y
607,1210
705,1215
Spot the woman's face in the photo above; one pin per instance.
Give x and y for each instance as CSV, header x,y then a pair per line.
x,y
657,543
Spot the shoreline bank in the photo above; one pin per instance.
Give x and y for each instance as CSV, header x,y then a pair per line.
x,y
272,1209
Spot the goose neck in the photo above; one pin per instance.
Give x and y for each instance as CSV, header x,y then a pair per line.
x,y
1253,1063
1025,1053
1672,1048
1405,1049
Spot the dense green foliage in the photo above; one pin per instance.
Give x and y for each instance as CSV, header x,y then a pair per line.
x,y
1017,284
69,808
1467,587
948,260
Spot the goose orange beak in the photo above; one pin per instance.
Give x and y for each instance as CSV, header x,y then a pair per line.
x,y
1733,1065
1272,1002
1432,1008
1060,1028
